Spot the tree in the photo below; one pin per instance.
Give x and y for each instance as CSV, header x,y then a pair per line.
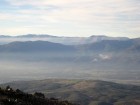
x,y
40,95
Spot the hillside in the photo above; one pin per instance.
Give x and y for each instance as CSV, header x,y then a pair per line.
x,y
9,96
37,46
84,92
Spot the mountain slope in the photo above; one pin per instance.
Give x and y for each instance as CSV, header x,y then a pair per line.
x,y
110,45
84,92
31,46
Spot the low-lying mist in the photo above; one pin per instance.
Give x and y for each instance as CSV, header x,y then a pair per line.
x,y
31,66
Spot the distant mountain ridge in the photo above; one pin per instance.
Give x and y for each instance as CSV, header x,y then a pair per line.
x,y
100,46
104,37
59,39
31,46
111,45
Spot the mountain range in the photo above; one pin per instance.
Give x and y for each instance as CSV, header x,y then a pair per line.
x,y
78,63
58,39
106,59
101,45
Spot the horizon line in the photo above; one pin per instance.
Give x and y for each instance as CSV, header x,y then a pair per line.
x,y
96,35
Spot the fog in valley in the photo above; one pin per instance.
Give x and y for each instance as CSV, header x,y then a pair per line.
x,y
35,66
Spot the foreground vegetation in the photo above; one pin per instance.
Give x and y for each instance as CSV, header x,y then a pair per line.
x,y
9,96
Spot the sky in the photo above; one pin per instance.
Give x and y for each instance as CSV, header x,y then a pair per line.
x,y
70,17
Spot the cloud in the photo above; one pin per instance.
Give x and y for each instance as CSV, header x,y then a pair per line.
x,y
79,9
83,14
105,57
94,6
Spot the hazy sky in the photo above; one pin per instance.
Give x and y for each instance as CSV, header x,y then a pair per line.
x,y
70,17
